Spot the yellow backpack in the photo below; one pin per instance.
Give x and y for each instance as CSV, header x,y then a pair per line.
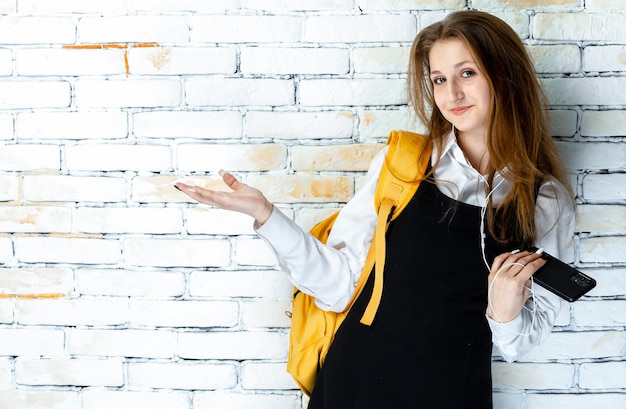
x,y
313,329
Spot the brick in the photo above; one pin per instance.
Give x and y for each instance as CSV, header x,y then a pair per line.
x,y
47,188
604,187
6,373
127,220
238,92
202,220
299,125
611,282
71,125
244,29
35,219
606,375
584,91
603,123
604,5
604,58
72,6
603,249
320,92
249,157
133,29
576,401
181,60
120,399
372,5
266,313
6,62
8,6
508,400
34,94
584,345
601,218
27,399
381,60
67,250
234,400
266,376
69,372
188,124
121,343
533,376
128,93
36,281
176,252
47,61
360,29
579,26
304,189
245,283
563,122
307,218
524,4
592,155
6,317
232,345
287,5
200,314
184,5
6,250
555,58
283,60
37,30
29,157
374,124
605,313
182,376
349,158
6,127
75,312
112,157
254,252
32,342
101,282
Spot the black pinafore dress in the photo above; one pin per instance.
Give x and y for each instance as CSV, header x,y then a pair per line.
x,y
430,344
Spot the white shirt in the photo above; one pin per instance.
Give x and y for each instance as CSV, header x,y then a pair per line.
x,y
330,272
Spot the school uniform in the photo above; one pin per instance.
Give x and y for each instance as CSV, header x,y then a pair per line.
x,y
431,341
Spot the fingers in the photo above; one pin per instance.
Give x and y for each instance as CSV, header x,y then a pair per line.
x,y
518,262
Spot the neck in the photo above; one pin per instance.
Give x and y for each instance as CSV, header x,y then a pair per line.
x,y
475,150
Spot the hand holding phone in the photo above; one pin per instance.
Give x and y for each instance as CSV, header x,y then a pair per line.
x,y
562,279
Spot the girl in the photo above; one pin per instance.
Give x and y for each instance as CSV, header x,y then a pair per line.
x,y
449,291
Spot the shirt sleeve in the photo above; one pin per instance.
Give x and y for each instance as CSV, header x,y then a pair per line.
x,y
555,222
329,272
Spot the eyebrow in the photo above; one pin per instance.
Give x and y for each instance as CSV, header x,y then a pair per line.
x,y
455,66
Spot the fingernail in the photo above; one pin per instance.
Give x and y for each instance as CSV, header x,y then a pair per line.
x,y
515,251
539,251
221,172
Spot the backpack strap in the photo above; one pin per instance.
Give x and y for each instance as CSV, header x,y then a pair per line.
x,y
404,168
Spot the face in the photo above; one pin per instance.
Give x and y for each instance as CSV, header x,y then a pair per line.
x,y
460,89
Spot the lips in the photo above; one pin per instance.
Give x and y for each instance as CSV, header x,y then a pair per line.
x,y
459,110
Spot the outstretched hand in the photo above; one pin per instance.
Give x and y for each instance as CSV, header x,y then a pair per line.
x,y
509,283
243,198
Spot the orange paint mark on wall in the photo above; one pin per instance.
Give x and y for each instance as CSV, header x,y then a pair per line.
x,y
33,296
124,47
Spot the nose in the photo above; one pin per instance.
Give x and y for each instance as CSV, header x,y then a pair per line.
x,y
455,90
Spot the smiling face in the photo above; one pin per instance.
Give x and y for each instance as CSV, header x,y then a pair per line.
x,y
460,89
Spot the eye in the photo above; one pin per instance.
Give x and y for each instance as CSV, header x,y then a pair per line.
x,y
438,80
467,74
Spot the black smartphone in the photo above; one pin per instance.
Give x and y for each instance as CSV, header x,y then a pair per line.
x,y
562,279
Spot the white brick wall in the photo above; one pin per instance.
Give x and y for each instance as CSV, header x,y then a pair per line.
x,y
118,291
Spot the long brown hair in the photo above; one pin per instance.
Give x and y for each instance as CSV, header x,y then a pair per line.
x,y
518,138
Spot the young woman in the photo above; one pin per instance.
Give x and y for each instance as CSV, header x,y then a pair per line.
x,y
449,291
